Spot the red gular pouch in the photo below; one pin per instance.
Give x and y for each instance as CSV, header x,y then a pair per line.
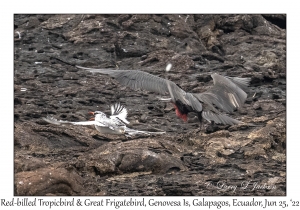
x,y
179,114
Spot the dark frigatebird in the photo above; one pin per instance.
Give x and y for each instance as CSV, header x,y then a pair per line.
x,y
227,94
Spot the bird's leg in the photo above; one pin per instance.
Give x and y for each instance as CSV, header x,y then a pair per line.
x,y
201,123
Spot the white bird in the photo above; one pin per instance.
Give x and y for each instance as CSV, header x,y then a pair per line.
x,y
115,124
227,94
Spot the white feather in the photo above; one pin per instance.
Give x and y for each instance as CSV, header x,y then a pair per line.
x,y
115,124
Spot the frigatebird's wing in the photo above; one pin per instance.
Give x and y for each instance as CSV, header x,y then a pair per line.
x,y
177,93
227,94
219,118
136,79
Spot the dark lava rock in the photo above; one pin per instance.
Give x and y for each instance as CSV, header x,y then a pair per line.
x,y
77,160
48,181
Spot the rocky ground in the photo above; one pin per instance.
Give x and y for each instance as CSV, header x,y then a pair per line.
x,y
77,160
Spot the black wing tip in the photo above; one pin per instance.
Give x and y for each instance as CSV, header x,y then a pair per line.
x,y
117,108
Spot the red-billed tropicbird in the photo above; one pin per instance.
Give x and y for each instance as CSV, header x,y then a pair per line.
x,y
115,124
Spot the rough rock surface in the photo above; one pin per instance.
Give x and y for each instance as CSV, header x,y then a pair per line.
x,y
76,160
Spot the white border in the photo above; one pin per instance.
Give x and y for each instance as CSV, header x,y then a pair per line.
x,y
154,6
